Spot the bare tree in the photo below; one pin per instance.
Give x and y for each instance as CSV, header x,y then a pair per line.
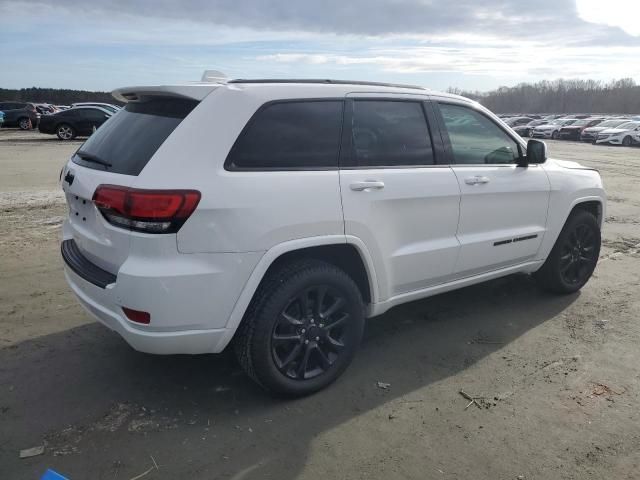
x,y
562,96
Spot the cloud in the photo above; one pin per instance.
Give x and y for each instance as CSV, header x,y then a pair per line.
x,y
533,61
468,43
542,19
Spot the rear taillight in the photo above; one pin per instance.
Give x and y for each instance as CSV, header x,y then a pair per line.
x,y
149,211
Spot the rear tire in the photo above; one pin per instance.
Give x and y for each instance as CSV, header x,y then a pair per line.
x,y
65,132
302,328
574,256
24,123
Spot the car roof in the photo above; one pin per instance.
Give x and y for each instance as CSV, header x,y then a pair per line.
x,y
89,107
300,87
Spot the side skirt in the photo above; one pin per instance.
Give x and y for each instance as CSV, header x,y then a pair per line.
x,y
376,309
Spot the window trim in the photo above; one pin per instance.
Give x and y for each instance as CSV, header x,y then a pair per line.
x,y
447,141
347,162
230,167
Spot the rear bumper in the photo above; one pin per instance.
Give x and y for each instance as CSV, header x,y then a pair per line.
x,y
189,298
98,303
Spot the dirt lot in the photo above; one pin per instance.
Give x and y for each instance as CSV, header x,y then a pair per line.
x,y
558,375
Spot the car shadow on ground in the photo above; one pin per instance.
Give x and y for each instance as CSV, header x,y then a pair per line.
x,y
105,409
40,139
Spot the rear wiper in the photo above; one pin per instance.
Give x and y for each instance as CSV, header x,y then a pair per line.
x,y
88,157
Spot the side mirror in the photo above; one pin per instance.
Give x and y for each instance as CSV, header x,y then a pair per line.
x,y
536,152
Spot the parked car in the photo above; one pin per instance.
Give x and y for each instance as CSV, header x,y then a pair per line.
x,y
574,130
44,108
106,106
78,121
517,121
589,134
251,217
624,134
551,129
1,118
525,130
19,114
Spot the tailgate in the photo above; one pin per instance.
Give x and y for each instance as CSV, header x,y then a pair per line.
x,y
102,244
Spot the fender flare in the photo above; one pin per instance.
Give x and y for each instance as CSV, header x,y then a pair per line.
x,y
590,198
271,255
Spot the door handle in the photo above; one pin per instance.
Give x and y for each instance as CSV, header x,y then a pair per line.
x,y
476,180
367,185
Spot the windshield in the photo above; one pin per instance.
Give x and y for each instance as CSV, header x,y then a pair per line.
x,y
128,140
580,123
629,125
611,123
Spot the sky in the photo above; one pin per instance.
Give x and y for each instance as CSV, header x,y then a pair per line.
x,y
469,44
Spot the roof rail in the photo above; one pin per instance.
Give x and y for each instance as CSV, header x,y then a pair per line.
x,y
324,81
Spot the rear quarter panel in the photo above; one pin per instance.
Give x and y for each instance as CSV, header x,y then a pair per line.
x,y
240,211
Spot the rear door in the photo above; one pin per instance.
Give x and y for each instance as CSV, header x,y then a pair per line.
x,y
399,195
503,207
127,143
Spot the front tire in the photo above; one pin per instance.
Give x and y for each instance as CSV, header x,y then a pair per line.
x,y
302,328
626,141
574,256
554,136
65,132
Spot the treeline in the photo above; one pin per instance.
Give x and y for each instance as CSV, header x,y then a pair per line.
x,y
557,96
562,96
55,96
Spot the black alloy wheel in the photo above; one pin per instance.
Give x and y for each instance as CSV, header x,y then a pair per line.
x,y
579,255
574,256
310,335
302,328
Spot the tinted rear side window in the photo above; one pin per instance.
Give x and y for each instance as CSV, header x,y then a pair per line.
x,y
390,133
290,135
130,137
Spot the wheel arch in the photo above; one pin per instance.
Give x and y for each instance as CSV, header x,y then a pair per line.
x,y
347,253
592,201
595,207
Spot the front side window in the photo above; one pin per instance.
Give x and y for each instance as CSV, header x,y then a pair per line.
x,y
291,134
475,139
390,133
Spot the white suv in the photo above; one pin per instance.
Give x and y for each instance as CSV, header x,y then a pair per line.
x,y
280,214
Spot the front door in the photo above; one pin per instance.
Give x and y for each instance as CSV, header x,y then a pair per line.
x,y
503,207
397,197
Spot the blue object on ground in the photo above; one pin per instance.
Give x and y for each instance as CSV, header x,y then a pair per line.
x,y
51,475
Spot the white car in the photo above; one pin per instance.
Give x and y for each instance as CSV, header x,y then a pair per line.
x,y
277,215
625,134
552,129
106,106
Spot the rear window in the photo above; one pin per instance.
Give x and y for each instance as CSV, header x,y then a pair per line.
x,y
130,137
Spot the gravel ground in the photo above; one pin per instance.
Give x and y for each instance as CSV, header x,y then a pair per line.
x,y
557,377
